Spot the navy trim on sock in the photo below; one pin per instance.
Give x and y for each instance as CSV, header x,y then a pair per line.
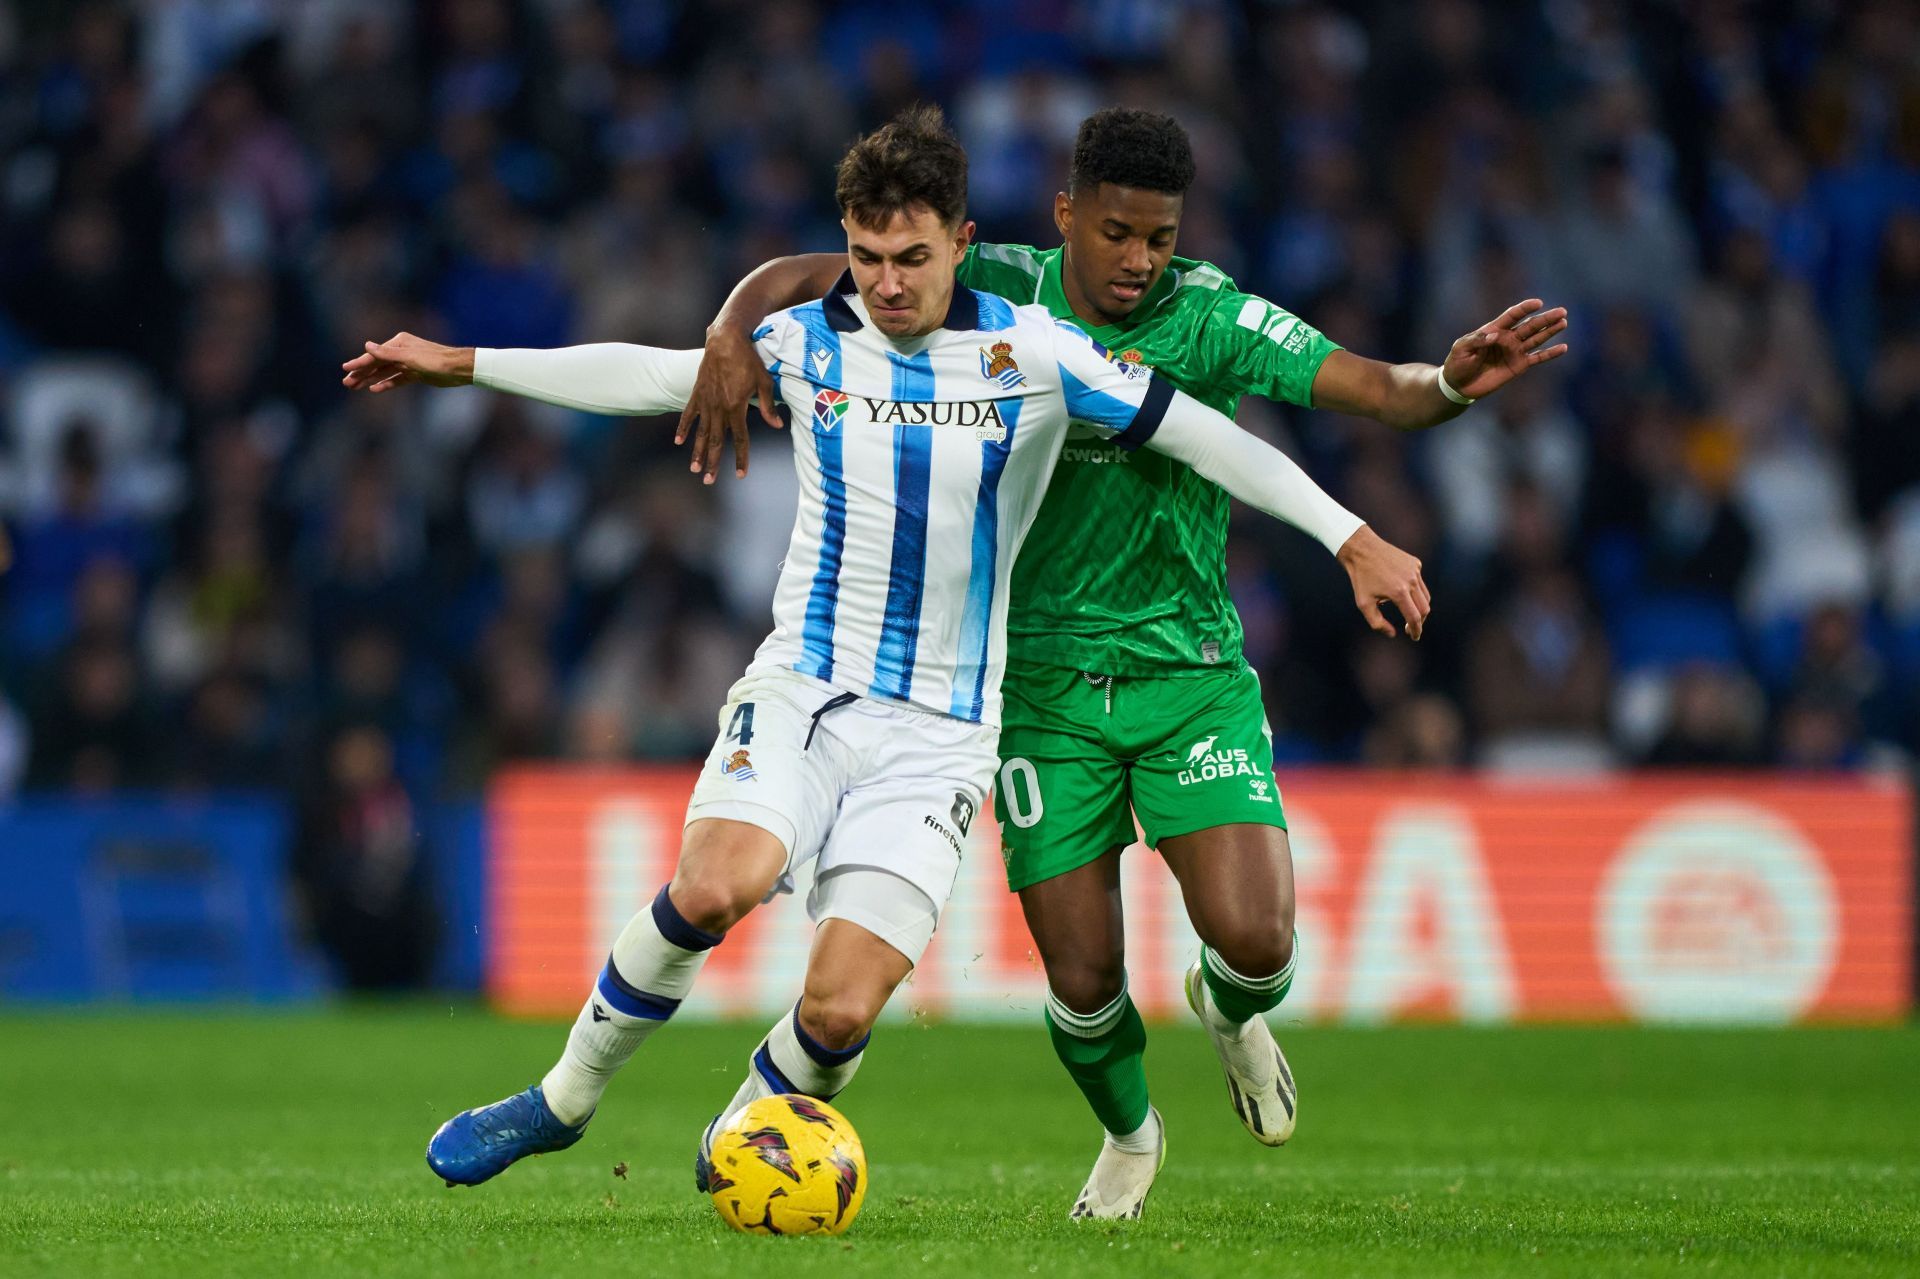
x,y
763,1062
674,926
630,999
822,1054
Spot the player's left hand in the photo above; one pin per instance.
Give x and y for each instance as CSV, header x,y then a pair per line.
x,y
1494,354
731,377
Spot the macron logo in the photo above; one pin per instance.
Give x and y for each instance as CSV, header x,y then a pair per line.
x,y
820,361
1201,748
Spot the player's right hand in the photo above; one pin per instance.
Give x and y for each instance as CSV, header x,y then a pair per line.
x,y
731,377
403,359
1381,573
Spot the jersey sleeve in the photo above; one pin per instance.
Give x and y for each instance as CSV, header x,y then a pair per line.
x,y
1122,401
1011,271
1249,346
601,377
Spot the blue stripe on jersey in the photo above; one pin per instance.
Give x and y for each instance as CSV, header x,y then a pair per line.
x,y
996,313
821,364
1084,404
907,575
970,678
1096,408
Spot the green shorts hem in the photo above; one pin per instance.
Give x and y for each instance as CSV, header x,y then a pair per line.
x,y
1194,824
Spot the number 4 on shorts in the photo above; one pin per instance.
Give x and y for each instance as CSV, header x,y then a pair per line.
x,y
741,728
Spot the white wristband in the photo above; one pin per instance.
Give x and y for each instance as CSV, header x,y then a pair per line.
x,y
1446,387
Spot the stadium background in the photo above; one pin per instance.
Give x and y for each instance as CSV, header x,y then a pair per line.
x,y
285,674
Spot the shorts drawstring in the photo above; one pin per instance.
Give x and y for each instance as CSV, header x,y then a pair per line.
x,y
832,704
1101,681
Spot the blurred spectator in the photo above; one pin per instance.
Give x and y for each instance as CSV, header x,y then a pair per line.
x,y
1524,436
56,549
515,713
1758,349
1886,448
358,865
1621,242
522,494
1715,721
1539,672
1838,668
1426,731
229,740
1816,734
93,731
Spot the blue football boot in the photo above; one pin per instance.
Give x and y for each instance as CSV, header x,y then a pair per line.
x,y
478,1144
703,1158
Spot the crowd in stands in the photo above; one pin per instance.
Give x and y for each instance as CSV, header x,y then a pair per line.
x,y
1693,542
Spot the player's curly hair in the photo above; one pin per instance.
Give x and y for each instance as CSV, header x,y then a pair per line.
x,y
1132,148
913,159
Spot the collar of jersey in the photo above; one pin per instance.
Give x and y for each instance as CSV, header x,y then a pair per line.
x,y
1052,294
963,313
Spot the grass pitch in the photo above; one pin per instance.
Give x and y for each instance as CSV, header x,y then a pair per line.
x,y
235,1144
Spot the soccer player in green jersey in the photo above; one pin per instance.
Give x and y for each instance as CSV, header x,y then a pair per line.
x,y
1127,697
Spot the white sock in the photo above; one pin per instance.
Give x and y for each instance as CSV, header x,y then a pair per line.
x,y
789,1060
1143,1140
651,969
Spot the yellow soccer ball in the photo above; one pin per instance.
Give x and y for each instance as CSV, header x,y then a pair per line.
x,y
788,1165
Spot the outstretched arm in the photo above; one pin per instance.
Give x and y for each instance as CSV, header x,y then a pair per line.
x,y
1414,396
731,376
1267,479
604,377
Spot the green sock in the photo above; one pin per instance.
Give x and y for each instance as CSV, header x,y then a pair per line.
x,y
1106,1054
1238,997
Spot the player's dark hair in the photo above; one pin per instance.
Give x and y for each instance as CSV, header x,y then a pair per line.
x,y
912,159
1132,148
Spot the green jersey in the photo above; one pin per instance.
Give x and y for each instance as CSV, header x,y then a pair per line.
x,y
1124,570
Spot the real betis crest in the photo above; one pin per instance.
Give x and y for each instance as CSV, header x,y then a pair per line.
x,y
996,364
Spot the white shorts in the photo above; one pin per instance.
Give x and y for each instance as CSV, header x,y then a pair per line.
x,y
882,795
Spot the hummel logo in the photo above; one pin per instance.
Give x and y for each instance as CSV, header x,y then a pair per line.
x,y
600,1014
821,359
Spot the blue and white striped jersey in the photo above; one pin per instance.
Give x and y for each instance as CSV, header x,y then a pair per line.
x,y
922,464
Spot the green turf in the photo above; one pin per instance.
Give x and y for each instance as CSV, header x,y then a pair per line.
x,y
291,1145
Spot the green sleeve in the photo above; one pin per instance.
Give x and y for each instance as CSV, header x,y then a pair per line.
x,y
1011,271
1252,347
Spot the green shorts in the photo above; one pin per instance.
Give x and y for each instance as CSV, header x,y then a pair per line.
x,y
1081,756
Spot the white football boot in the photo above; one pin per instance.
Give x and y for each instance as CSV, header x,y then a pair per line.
x,y
1262,1087
1118,1185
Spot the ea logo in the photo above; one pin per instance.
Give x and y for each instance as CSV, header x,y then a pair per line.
x,y
1716,911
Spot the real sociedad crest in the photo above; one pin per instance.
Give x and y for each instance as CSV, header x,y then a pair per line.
x,y
996,364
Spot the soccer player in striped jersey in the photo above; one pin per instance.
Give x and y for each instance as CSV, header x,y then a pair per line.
x,y
862,737
1127,696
